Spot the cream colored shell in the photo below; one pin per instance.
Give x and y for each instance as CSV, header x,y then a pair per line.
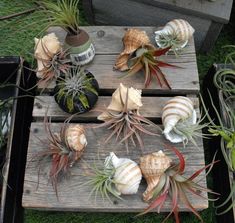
x,y
180,27
177,109
45,48
119,99
75,136
152,167
127,175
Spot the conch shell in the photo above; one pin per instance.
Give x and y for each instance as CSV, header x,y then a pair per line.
x,y
45,49
75,137
119,99
132,40
127,175
179,27
152,167
177,109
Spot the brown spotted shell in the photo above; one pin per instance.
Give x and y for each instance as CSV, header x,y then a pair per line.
x,y
152,167
75,136
132,40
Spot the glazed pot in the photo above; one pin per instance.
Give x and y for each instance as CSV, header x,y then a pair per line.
x,y
80,47
79,103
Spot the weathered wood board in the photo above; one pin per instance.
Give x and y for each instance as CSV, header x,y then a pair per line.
x,y
73,194
108,45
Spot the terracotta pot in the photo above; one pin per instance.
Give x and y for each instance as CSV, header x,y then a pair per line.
x,y
80,47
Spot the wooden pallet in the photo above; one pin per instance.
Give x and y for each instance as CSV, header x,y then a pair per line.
x,y
73,194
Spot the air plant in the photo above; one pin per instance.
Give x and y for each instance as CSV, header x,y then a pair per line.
x,y
174,184
77,92
63,13
123,118
52,60
63,149
145,58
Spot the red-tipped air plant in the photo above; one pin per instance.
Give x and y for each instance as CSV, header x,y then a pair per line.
x,y
172,183
63,148
127,125
145,58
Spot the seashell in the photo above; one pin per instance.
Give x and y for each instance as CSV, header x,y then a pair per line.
x,y
133,39
75,135
119,99
121,62
179,28
127,175
177,109
152,167
45,48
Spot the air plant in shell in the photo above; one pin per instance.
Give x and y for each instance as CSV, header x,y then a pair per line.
x,y
170,182
122,116
180,122
117,176
52,60
77,92
63,149
65,14
145,58
175,34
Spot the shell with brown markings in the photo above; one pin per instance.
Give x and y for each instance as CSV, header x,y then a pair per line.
x,y
152,167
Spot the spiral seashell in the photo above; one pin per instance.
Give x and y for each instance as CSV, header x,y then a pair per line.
x,y
119,99
152,167
132,40
177,109
179,28
127,175
75,136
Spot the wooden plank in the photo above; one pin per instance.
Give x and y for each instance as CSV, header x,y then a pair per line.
x,y
152,108
73,194
218,10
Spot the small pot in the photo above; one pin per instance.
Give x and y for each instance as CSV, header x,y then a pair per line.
x,y
80,47
74,105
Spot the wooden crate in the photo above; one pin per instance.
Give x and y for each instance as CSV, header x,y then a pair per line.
x,y
73,194
206,17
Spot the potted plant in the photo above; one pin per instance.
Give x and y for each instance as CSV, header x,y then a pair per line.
x,y
77,91
65,14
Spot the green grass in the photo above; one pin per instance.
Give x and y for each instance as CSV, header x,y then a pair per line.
x,y
16,38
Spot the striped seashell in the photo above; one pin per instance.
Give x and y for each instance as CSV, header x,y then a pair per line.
x,y
127,175
152,167
75,136
178,28
177,109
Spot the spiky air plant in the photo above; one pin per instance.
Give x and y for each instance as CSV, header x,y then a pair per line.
x,y
173,184
145,58
63,149
52,60
123,118
77,92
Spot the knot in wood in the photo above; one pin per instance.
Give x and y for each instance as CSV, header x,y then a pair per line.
x,y
100,33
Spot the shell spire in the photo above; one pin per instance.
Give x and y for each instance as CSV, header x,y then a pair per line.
x,y
152,167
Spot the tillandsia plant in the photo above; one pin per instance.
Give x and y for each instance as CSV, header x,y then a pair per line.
x,y
145,58
116,176
123,118
180,122
63,149
77,92
52,60
172,183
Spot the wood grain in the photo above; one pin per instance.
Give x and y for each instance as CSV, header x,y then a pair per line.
x,y
152,108
73,194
